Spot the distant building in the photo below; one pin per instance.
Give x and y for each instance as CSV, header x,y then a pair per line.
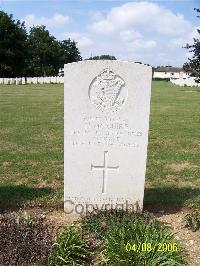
x,y
170,72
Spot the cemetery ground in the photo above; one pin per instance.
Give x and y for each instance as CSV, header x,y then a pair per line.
x,y
31,157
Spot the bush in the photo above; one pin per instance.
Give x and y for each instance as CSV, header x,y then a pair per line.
x,y
161,79
134,239
70,248
193,221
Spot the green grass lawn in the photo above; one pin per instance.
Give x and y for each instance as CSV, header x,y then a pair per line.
x,y
173,169
31,145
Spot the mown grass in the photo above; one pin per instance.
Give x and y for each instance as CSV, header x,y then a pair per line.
x,y
31,145
31,141
173,167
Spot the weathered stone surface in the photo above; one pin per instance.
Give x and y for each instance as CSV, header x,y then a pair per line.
x,y
107,105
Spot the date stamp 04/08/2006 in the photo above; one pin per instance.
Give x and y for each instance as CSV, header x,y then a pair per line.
x,y
148,247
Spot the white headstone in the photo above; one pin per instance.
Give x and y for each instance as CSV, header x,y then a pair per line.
x,y
35,80
1,80
41,80
6,81
12,80
18,81
60,79
53,80
28,80
23,81
47,80
107,106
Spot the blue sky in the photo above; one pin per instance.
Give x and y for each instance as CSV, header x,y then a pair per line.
x,y
152,32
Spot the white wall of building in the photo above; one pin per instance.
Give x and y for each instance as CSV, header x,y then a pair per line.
x,y
164,75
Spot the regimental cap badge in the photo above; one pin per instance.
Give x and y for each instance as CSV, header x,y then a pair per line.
x,y
107,91
106,74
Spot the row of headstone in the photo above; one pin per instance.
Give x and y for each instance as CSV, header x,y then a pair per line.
x,y
29,80
189,81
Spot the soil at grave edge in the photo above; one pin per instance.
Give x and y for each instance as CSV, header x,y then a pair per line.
x,y
174,218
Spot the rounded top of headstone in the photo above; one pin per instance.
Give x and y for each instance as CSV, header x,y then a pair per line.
x,y
109,62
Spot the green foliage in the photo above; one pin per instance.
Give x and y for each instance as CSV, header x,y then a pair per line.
x,y
151,241
116,238
70,248
193,66
193,221
13,46
45,54
161,79
27,218
70,52
103,57
35,54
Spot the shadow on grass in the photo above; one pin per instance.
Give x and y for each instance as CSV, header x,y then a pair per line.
x,y
14,196
170,199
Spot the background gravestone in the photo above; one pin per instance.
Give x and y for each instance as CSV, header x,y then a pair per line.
x,y
6,81
107,105
41,80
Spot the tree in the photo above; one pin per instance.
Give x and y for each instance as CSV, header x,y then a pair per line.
x,y
103,57
44,53
193,66
13,46
35,54
48,55
70,52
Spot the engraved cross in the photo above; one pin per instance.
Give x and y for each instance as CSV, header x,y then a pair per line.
x,y
105,169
